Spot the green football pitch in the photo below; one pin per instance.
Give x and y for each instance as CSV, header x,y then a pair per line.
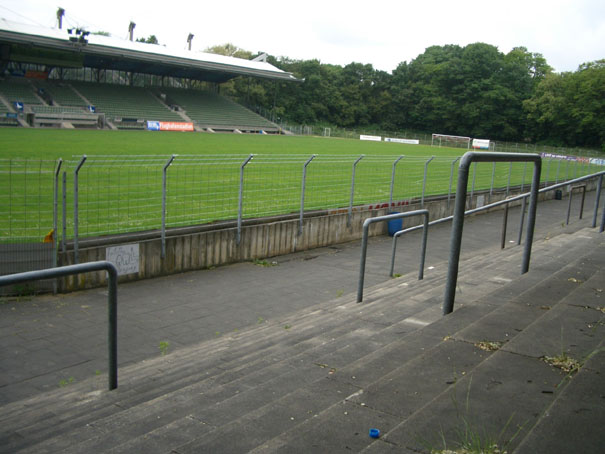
x,y
56,143
120,183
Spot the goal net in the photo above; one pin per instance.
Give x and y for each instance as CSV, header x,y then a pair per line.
x,y
451,141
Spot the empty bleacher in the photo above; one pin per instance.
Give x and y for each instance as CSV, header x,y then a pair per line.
x,y
62,94
210,110
126,107
7,116
18,89
59,103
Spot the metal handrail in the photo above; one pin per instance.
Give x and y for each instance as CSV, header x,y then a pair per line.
x,y
364,242
112,300
459,213
425,229
571,190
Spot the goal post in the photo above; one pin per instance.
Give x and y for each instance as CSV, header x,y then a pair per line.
x,y
451,141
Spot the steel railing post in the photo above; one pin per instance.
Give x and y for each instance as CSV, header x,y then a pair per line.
x,y
426,167
582,202
302,193
449,192
531,218
458,218
364,244
570,190
425,227
504,225
393,182
241,198
522,220
350,213
76,219
164,184
596,203
112,301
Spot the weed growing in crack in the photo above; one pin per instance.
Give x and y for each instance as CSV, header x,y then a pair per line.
x,y
470,439
65,382
164,345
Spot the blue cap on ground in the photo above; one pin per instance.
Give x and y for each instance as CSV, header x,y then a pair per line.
x,y
374,433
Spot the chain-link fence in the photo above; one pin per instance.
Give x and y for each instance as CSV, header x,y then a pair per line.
x,y
93,196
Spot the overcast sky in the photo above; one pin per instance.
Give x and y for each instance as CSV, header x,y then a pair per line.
x,y
381,32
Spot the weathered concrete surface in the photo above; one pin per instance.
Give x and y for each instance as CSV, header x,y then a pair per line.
x,y
216,246
296,367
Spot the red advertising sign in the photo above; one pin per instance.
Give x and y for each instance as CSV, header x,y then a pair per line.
x,y
175,126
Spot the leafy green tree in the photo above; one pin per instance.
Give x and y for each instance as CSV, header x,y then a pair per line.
x,y
569,108
151,39
229,50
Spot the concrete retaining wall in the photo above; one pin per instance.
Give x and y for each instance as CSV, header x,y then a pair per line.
x,y
259,240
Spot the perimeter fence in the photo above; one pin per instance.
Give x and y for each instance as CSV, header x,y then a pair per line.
x,y
82,197
425,139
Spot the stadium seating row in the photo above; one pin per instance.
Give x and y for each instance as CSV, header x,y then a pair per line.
x,y
129,107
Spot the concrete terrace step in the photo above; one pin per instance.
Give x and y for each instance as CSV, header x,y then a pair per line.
x,y
307,332
238,390
505,395
402,385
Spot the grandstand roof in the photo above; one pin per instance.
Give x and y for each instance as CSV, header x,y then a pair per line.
x,y
55,47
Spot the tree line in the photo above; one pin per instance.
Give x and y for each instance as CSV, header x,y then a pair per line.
x,y
474,90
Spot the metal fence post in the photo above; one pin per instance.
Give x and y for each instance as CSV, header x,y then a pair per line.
x,y
76,220
426,166
64,213
55,235
596,203
302,193
393,181
350,213
575,168
491,186
241,197
164,182
449,192
602,218
510,171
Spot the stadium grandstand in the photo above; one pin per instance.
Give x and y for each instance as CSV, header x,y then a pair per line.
x,y
74,79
